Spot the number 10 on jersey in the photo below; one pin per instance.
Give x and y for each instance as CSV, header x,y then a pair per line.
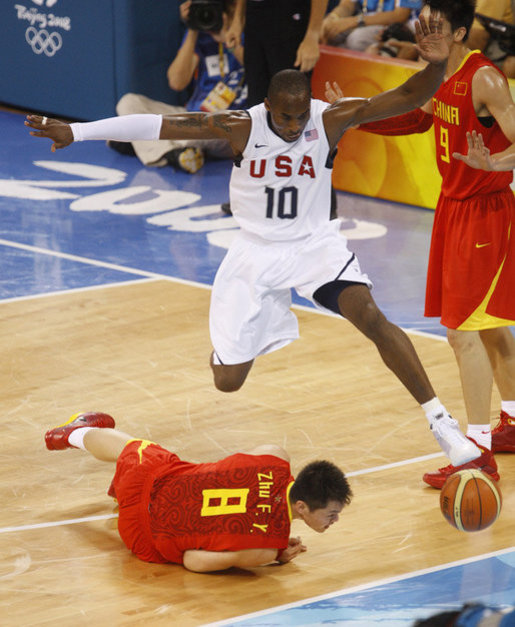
x,y
281,203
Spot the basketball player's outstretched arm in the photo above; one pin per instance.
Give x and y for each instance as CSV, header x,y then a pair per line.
x,y
416,91
234,126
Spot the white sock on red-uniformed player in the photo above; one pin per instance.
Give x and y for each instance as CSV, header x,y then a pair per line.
x,y
76,438
481,434
508,407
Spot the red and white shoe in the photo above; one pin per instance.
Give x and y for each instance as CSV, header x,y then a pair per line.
x,y
56,439
503,435
485,462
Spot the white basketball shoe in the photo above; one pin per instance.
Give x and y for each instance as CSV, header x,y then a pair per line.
x,y
458,448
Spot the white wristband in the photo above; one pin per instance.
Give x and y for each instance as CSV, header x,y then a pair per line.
x,y
125,128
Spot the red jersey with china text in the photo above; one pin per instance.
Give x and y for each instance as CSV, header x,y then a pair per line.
x,y
453,114
240,502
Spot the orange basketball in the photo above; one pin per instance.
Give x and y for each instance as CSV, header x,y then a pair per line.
x,y
470,500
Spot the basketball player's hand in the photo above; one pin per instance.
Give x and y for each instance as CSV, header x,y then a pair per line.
x,y
431,43
59,132
478,155
333,92
295,547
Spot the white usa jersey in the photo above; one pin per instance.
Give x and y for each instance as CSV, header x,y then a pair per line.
x,y
280,190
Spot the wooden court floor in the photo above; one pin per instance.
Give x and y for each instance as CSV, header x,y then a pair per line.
x,y
139,351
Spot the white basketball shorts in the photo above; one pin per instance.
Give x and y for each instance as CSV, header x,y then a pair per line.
x,y
250,311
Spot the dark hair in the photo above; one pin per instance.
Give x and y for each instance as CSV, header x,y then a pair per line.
x,y
318,483
292,82
444,619
468,612
458,12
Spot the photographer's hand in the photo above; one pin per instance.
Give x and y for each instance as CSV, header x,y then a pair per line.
x,y
184,10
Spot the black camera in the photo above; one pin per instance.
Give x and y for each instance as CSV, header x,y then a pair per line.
x,y
398,31
502,32
206,15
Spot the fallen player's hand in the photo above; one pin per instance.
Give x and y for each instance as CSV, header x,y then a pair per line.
x,y
295,547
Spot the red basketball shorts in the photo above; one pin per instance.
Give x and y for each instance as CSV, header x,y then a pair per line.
x,y
472,262
139,465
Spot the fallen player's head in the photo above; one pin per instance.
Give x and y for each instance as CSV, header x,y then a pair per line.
x,y
319,494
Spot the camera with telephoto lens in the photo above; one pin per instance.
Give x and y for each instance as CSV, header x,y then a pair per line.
x,y
206,15
502,32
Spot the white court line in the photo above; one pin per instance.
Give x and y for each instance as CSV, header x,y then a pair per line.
x,y
405,462
354,473
100,264
71,521
360,588
74,290
150,275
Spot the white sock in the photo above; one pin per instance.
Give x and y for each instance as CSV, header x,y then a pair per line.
x,y
76,438
508,407
481,434
434,409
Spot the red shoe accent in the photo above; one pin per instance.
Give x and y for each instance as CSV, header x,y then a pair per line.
x,y
485,462
503,435
56,439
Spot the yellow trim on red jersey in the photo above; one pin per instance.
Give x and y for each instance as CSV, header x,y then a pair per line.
x,y
290,514
464,60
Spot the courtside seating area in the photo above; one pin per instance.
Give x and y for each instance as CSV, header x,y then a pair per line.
x,y
75,60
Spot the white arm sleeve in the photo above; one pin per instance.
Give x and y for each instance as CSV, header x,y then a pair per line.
x,y
125,128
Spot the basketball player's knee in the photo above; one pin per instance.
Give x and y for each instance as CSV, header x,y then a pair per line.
x,y
500,340
227,384
227,379
462,341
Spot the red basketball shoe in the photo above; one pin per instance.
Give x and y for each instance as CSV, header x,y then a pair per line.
x,y
503,436
56,439
485,462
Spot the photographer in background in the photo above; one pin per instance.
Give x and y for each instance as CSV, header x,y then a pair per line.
x,y
397,41
215,74
357,24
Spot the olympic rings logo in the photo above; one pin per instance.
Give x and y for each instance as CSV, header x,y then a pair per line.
x,y
49,3
43,41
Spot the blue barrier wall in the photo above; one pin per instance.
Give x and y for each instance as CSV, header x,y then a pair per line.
x,y
76,58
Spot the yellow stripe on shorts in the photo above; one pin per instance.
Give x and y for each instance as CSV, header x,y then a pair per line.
x,y
142,446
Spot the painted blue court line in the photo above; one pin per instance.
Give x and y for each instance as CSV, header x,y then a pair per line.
x,y
398,601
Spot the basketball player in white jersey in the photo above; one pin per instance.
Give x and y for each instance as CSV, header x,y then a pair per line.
x,y
280,196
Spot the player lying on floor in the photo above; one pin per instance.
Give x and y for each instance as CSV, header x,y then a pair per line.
x,y
211,516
